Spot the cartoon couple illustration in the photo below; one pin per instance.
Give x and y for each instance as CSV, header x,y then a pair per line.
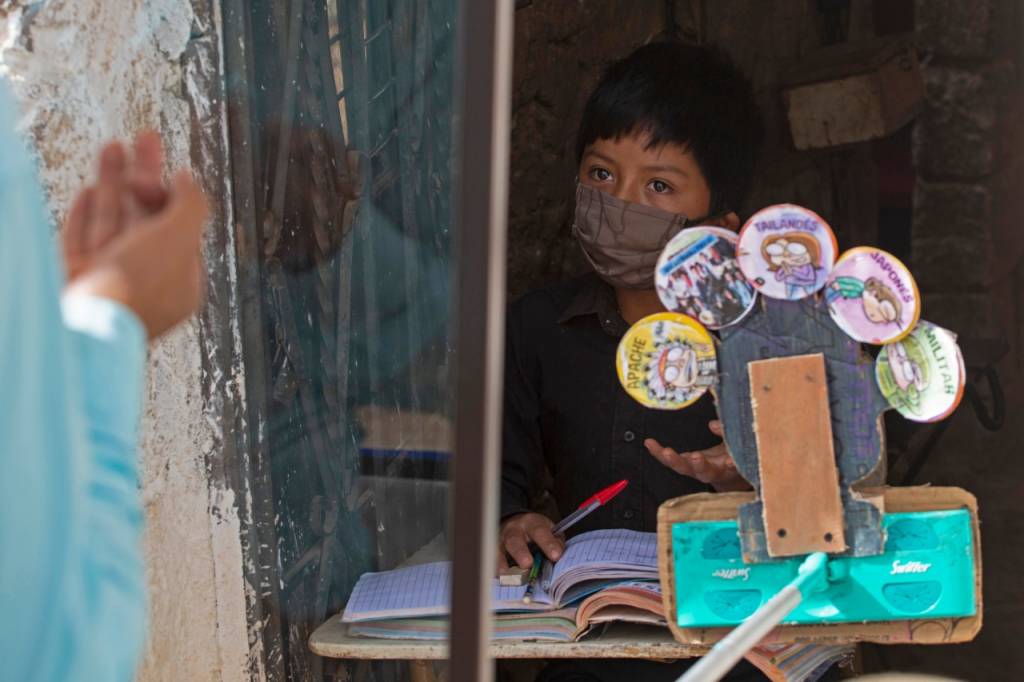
x,y
795,259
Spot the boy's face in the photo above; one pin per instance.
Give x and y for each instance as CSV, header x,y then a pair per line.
x,y
666,177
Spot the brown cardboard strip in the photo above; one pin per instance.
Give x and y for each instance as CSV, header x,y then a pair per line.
x,y
722,506
803,512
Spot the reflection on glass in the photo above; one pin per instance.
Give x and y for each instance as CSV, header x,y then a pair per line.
x,y
355,157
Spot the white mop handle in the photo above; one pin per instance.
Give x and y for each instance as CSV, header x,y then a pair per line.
x,y
734,646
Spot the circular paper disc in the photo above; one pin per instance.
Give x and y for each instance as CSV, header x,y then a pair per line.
x,y
666,361
697,274
787,251
872,296
922,375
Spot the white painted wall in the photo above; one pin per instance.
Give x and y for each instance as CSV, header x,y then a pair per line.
x,y
87,71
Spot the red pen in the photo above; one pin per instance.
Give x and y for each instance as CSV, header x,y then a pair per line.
x,y
592,503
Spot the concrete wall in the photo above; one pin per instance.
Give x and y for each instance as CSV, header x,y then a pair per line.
x,y
86,71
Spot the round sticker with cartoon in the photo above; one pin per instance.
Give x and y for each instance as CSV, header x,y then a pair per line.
x,y
787,251
697,274
922,375
872,296
666,361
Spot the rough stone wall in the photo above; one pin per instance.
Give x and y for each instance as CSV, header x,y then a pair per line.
x,y
86,71
967,257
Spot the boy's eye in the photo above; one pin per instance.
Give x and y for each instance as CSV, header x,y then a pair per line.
x,y
600,174
660,186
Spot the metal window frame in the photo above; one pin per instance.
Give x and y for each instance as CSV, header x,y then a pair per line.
x,y
482,161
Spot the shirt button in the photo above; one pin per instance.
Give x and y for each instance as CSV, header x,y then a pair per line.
x,y
629,436
628,514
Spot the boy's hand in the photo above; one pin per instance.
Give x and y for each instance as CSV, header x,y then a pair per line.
x,y
518,531
713,466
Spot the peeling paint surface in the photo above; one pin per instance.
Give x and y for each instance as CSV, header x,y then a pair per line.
x,y
86,71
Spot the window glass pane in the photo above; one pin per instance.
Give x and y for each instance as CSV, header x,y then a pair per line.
x,y
354,289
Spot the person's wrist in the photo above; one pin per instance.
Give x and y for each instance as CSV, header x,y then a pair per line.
x,y
106,283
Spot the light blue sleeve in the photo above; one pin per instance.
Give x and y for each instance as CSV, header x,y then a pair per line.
x,y
72,600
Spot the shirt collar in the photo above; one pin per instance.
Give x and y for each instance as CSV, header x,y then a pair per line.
x,y
596,297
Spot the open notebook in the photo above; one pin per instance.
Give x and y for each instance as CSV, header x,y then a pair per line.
x,y
591,561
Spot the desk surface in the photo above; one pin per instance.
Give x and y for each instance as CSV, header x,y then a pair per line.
x,y
621,640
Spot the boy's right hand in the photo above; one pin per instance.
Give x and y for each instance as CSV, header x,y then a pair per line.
x,y
516,534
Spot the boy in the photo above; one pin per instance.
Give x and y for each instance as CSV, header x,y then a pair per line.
x,y
668,139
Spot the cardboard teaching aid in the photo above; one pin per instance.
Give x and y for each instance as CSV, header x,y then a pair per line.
x,y
786,251
793,427
922,630
801,405
783,329
872,296
666,361
697,274
922,376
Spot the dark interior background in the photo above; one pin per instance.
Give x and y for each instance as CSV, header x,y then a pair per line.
x,y
943,193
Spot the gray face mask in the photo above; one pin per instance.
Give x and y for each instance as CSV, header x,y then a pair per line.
x,y
623,240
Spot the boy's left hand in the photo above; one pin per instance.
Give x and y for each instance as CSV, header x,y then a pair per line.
x,y
713,466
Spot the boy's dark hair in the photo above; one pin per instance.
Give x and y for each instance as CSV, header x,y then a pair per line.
x,y
688,95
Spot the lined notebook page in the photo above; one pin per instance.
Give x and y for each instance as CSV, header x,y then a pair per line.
x,y
423,590
413,591
606,548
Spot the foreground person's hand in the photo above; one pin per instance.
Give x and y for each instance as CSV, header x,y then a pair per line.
x,y
127,188
153,266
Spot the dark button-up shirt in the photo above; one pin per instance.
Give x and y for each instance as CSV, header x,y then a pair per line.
x,y
565,408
